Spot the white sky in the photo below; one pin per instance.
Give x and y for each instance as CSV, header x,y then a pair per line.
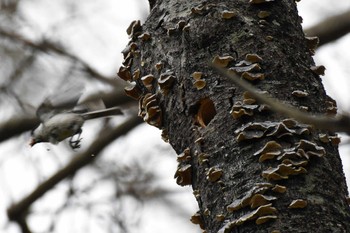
x,y
104,45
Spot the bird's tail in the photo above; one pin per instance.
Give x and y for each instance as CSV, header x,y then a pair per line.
x,y
102,113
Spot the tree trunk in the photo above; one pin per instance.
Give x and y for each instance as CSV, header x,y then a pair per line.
x,y
251,170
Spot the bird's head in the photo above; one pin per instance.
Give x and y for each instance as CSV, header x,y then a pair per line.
x,y
37,136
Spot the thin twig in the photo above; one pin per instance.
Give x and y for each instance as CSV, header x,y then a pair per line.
x,y
49,46
15,211
338,123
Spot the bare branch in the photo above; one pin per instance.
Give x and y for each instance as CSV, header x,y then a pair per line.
x,y
339,123
49,46
16,211
331,28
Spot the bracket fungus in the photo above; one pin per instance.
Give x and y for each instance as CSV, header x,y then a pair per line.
x,y
312,43
298,204
134,29
246,199
264,210
282,171
148,81
253,76
319,70
185,156
124,73
269,151
133,91
166,81
307,149
214,174
197,75
222,61
253,58
144,36
197,219
264,219
300,94
260,199
263,14
227,14
279,188
183,175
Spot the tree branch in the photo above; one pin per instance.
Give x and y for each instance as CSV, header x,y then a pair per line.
x,y
17,211
331,28
339,123
49,46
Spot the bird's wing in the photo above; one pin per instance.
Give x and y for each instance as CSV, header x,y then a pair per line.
x,y
62,101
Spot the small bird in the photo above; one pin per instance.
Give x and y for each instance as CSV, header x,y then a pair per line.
x,y
56,126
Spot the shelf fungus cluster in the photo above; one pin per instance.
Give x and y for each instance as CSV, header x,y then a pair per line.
x,y
256,130
183,174
146,88
291,160
247,107
249,68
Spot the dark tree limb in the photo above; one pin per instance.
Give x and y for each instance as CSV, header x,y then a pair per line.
x,y
17,211
331,28
49,46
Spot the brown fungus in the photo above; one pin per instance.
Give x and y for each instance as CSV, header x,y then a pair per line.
x,y
203,158
253,76
124,73
134,28
269,146
165,82
197,75
197,219
145,36
133,91
222,61
227,14
184,156
183,175
312,43
265,219
136,74
158,66
319,70
219,217
200,84
298,204
206,112
260,199
181,24
214,174
171,31
279,188
187,27
253,58
263,14
300,94
335,140
148,81
248,98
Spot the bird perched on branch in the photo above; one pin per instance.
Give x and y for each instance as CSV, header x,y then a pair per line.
x,y
58,123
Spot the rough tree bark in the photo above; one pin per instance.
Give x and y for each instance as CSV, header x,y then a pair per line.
x,y
251,170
